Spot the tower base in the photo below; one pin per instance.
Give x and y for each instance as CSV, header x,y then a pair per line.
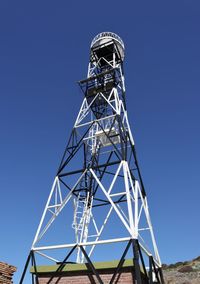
x,y
81,273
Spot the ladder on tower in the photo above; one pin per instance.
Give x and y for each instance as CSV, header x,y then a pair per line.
x,y
82,215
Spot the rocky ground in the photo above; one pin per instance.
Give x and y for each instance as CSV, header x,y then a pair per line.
x,y
187,272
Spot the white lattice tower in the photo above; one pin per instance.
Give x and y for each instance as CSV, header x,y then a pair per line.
x,y
106,173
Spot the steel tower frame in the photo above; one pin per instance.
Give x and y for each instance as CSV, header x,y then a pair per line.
x,y
102,137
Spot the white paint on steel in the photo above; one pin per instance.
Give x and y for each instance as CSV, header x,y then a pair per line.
x,y
136,203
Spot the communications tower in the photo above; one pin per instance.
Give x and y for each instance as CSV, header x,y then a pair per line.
x,y
98,189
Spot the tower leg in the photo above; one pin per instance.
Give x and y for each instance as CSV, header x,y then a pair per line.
x,y
161,276
25,267
35,276
150,271
138,279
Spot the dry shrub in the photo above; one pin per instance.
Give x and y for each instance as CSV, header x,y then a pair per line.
x,y
185,269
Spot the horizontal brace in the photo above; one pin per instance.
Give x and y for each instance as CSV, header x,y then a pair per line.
x,y
117,194
118,240
93,121
108,203
72,173
81,244
97,76
94,168
53,206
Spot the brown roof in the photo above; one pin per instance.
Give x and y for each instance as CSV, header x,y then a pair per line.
x,y
6,273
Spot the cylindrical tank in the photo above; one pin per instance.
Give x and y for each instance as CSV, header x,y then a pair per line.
x,y
106,37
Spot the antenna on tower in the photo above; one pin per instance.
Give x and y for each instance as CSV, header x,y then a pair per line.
x,y
98,187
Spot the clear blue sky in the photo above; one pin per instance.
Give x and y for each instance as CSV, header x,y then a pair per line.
x,y
44,50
